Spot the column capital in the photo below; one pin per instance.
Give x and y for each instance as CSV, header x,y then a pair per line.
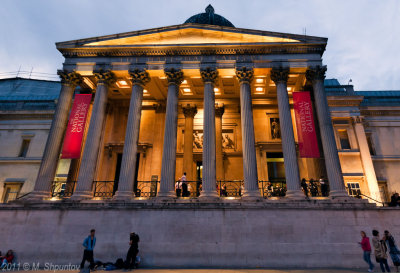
x,y
245,74
105,77
189,110
139,76
174,76
357,119
219,110
316,73
159,107
209,75
69,78
280,74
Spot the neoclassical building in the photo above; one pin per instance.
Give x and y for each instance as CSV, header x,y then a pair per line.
x,y
215,102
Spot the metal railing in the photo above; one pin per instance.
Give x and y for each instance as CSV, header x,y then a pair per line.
x,y
62,189
314,188
230,188
104,189
274,188
146,189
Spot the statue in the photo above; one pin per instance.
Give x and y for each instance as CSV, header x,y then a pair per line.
x,y
227,142
197,140
275,129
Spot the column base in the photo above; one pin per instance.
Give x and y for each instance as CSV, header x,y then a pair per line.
x,y
81,195
295,195
209,196
165,196
252,195
339,194
36,196
123,196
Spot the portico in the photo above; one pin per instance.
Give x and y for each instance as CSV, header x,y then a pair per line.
x,y
210,100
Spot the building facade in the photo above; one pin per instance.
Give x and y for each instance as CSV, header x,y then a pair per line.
x,y
215,102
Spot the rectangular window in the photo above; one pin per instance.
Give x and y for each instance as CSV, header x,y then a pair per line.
x,y
11,191
276,168
24,148
354,189
344,139
370,145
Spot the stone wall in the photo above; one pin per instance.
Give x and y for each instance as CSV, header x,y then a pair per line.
x,y
250,235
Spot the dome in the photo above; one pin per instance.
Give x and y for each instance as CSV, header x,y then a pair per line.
x,y
209,18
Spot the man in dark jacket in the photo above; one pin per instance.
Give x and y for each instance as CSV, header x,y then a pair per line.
x,y
133,251
89,244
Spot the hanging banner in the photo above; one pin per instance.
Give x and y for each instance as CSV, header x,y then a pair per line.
x,y
76,126
308,144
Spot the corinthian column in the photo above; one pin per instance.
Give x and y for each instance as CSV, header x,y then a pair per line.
x,y
280,77
245,76
89,158
209,182
69,81
175,78
219,111
189,112
128,164
316,75
366,159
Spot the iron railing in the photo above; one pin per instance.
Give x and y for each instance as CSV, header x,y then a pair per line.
x,y
274,188
188,188
146,189
103,189
62,189
230,188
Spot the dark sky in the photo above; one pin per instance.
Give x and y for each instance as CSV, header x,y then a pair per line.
x,y
363,45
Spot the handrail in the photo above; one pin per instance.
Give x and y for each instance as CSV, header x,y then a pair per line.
x,y
369,197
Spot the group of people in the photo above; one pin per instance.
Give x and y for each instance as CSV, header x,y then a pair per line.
x,y
182,187
312,187
382,245
6,259
132,259
395,200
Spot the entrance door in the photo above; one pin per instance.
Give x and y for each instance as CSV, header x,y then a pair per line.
x,y
199,170
118,170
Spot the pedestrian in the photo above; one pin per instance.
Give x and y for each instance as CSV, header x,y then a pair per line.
x,y
313,188
394,200
89,244
366,247
184,189
380,251
324,186
7,259
133,251
393,250
304,186
178,188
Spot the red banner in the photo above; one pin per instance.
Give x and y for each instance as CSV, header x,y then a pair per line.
x,y
76,126
308,144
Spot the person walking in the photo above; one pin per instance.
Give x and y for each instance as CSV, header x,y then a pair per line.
x,y
324,187
393,250
380,250
366,247
89,244
133,251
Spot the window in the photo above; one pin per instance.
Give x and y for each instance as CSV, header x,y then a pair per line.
x,y
11,191
24,148
344,139
276,167
370,145
354,189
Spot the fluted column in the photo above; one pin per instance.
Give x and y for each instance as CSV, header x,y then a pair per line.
x,y
245,76
316,75
69,81
189,112
175,78
92,145
280,77
209,76
129,156
219,158
366,159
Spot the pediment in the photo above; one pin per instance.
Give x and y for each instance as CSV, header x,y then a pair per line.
x,y
192,35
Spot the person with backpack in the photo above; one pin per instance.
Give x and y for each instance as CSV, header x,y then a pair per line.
x,y
393,250
89,244
133,251
380,251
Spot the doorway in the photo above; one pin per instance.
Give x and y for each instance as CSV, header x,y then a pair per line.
x,y
199,170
